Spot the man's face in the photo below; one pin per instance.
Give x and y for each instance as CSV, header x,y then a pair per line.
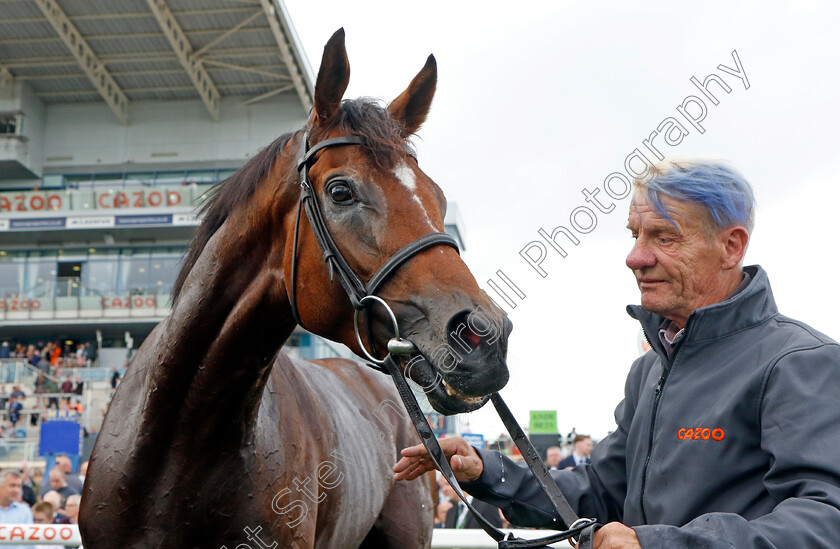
x,y
584,447
64,463
552,457
71,509
447,491
57,480
10,490
40,517
678,268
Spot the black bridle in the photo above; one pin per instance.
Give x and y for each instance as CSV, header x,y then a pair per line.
x,y
359,294
354,287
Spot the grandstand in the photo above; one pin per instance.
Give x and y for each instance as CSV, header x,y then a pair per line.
x,y
116,119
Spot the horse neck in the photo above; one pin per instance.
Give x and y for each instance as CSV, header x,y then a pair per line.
x,y
231,317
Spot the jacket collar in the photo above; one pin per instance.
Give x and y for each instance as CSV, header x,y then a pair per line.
x,y
751,306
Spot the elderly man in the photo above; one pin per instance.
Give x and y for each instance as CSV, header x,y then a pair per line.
x,y
12,511
728,432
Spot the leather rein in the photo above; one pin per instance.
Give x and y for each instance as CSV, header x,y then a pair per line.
x,y
360,294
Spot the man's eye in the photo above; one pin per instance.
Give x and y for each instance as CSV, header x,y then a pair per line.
x,y
341,193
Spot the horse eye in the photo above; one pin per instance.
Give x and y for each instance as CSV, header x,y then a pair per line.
x,y
340,193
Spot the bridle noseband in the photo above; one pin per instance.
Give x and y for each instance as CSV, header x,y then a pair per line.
x,y
355,289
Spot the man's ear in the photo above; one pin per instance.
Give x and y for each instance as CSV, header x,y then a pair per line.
x,y
409,110
333,77
734,241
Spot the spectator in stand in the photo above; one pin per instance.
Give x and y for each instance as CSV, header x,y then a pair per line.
x,y
32,356
71,508
26,485
5,351
553,455
43,513
15,409
4,397
115,378
67,386
40,389
73,480
51,388
581,453
440,513
12,511
36,477
43,365
79,388
17,392
90,354
460,517
70,406
54,498
58,482
83,470
56,353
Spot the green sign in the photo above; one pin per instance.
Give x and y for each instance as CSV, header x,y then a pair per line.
x,y
543,422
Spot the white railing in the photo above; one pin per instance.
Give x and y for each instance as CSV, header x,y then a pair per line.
x,y
40,534
443,538
68,535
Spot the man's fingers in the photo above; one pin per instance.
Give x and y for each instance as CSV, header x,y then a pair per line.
x,y
415,451
414,470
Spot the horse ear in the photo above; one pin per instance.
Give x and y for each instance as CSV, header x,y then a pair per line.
x,y
412,106
333,77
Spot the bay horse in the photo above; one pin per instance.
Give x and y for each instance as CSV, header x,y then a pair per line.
x,y
216,438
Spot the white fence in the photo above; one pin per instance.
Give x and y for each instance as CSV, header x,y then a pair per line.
x,y
443,538
40,534
68,535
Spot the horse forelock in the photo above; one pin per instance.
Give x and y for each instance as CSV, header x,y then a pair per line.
x,y
364,117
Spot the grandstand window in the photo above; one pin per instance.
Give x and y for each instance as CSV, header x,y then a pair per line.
x,y
201,177
100,276
147,178
41,278
165,264
11,124
11,273
78,181
108,180
135,268
170,178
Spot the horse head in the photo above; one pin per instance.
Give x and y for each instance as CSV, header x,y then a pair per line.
x,y
375,199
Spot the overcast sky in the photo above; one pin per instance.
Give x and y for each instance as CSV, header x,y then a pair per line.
x,y
537,101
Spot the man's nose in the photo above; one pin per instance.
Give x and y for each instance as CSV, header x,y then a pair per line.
x,y
640,256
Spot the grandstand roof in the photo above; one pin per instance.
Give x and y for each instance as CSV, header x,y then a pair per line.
x,y
120,51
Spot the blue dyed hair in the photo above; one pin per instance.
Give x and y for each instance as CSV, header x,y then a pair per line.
x,y
717,187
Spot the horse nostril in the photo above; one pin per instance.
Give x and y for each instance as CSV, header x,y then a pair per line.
x,y
460,335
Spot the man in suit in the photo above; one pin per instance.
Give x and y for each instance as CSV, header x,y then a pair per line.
x,y
460,517
583,447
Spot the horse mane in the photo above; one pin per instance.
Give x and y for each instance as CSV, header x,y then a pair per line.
x,y
362,117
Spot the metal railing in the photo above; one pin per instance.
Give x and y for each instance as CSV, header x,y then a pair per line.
x,y
66,535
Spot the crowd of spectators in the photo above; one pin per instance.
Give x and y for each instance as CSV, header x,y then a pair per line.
x,y
51,355
26,497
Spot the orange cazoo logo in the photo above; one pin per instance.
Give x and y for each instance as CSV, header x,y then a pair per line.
x,y
701,433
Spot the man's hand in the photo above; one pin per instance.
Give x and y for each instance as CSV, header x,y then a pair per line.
x,y
462,457
615,536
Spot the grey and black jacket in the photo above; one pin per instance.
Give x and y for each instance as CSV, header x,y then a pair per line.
x,y
733,441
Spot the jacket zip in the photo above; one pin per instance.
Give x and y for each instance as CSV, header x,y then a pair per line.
x,y
669,363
